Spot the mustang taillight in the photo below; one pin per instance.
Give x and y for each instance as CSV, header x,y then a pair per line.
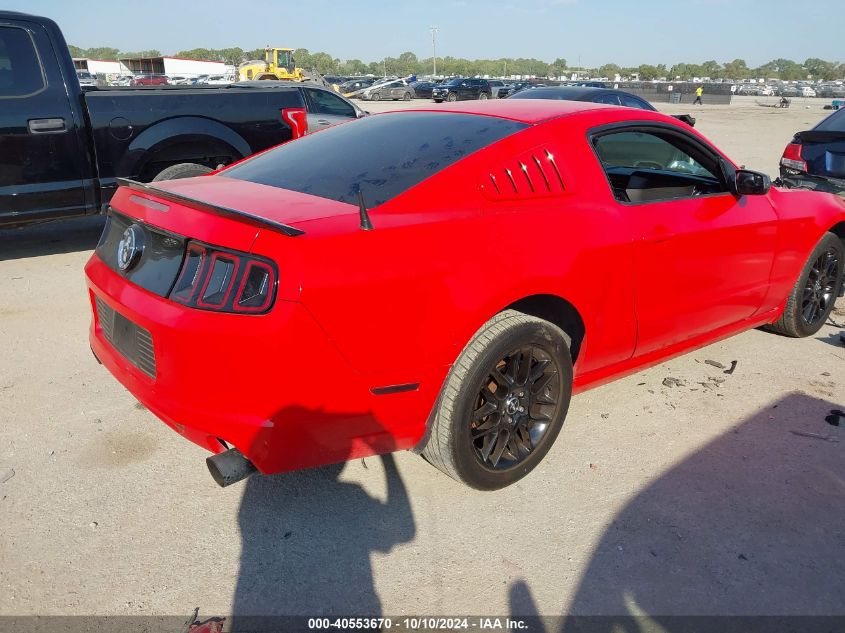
x,y
225,281
792,157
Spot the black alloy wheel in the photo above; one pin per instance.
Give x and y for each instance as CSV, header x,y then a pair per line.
x,y
520,396
820,289
503,403
811,299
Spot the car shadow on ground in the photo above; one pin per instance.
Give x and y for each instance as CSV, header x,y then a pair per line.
x,y
50,238
751,524
307,539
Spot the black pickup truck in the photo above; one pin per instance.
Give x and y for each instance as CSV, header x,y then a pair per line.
x,y
61,147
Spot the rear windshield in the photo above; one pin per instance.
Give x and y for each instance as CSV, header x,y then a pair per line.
x,y
382,155
834,123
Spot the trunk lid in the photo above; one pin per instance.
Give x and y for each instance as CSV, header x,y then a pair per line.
x,y
824,152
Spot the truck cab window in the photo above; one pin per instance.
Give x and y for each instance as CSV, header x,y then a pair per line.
x,y
21,74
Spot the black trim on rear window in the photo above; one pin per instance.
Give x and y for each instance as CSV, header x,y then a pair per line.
x,y
383,155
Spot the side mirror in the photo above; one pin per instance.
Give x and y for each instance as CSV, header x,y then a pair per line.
x,y
751,183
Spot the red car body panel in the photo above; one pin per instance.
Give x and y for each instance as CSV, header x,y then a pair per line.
x,y
357,310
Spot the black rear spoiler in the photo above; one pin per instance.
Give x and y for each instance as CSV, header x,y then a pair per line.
x,y
249,218
821,136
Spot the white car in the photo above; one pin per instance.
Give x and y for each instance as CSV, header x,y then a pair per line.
x,y
86,79
806,91
217,80
179,80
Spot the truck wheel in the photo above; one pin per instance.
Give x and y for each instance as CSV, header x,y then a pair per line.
x,y
182,170
812,298
503,403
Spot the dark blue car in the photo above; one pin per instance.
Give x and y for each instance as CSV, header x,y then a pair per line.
x,y
815,159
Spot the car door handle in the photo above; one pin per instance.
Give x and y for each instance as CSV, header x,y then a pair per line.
x,y
658,234
46,126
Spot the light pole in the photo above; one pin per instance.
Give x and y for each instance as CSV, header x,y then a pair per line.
x,y
433,30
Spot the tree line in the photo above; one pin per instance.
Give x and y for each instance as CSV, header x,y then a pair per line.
x,y
408,64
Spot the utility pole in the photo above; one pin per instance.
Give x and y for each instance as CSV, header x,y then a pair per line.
x,y
433,30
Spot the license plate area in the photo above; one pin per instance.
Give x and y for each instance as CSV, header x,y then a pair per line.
x,y
132,341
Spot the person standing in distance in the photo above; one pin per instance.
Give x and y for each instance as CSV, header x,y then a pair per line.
x,y
698,92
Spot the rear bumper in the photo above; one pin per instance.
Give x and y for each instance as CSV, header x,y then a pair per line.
x,y
814,183
274,386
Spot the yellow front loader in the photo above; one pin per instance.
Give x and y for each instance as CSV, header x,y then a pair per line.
x,y
279,64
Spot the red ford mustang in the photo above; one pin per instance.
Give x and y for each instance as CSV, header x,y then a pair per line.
x,y
443,281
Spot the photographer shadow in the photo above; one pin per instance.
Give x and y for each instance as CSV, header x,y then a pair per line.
x,y
308,538
751,524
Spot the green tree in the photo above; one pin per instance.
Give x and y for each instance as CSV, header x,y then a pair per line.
x,y
609,71
102,52
152,52
648,72
737,69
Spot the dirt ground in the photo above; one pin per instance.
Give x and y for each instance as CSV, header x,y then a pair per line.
x,y
723,495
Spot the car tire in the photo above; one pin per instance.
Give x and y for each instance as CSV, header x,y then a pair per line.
x,y
811,299
438,101
451,97
495,419
483,96
375,96
407,96
181,170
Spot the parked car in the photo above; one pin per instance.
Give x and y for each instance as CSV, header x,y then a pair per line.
x,y
179,80
815,159
86,79
462,89
578,93
789,91
629,238
422,89
219,80
324,107
609,96
495,86
125,80
149,80
354,85
384,92
513,88
807,91
64,148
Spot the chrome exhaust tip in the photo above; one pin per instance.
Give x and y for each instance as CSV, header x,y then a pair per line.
x,y
229,467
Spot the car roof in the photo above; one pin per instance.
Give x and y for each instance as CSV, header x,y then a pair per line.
x,y
523,110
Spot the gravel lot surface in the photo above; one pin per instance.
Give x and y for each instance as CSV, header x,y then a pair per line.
x,y
722,495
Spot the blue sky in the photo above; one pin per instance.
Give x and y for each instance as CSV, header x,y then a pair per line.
x,y
596,32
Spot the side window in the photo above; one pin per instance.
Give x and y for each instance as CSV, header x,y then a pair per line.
x,y
610,99
650,166
633,102
21,74
327,103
